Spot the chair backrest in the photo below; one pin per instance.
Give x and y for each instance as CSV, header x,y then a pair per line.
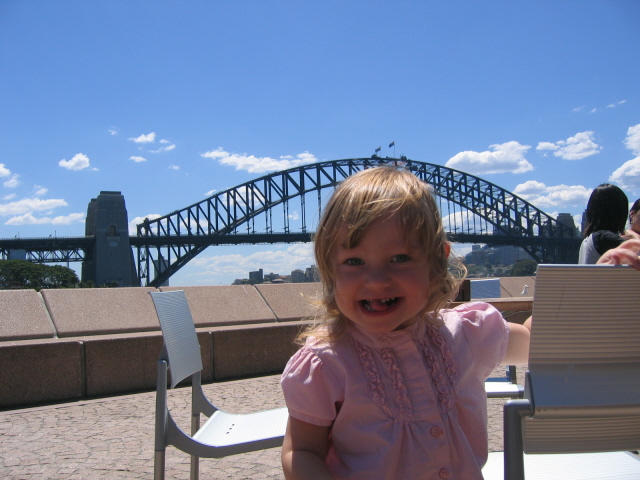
x,y
584,360
179,334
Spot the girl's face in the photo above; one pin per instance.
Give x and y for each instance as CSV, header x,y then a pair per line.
x,y
382,283
634,220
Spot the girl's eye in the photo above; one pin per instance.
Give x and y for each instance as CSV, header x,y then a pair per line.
x,y
353,261
401,258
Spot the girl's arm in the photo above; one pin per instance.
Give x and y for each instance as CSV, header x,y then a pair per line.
x,y
304,449
518,347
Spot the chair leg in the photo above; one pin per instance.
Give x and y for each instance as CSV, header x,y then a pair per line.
x,y
160,441
195,468
195,424
158,465
514,411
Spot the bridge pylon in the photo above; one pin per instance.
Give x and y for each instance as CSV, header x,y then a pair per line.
x,y
110,263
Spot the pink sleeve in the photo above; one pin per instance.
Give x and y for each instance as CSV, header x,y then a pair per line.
x,y
486,333
313,390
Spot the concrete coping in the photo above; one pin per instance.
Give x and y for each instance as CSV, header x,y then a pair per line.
x,y
24,316
94,311
225,305
291,301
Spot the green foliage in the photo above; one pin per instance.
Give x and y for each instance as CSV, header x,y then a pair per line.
x,y
524,268
24,274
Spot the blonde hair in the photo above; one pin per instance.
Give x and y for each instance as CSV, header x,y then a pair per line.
x,y
360,200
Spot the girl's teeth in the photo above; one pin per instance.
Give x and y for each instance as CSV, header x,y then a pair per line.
x,y
378,305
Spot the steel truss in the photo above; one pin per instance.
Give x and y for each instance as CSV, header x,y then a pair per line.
x,y
168,243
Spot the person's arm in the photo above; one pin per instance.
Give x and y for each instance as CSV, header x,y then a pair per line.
x,y
518,347
304,449
625,254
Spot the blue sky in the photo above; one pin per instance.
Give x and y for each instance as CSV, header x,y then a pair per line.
x,y
169,101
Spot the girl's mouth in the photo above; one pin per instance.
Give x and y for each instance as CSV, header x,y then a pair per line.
x,y
379,305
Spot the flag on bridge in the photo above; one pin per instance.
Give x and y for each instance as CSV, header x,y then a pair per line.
x,y
392,144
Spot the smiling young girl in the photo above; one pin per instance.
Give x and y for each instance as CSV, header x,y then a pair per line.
x,y
390,385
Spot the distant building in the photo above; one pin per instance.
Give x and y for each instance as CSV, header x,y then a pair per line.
x,y
567,219
311,274
256,277
297,276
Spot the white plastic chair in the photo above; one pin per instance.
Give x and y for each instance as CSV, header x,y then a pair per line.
x,y
223,433
582,389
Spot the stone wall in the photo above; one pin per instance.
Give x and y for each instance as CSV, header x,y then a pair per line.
x,y
69,344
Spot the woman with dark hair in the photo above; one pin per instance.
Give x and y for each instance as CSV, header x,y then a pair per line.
x,y
634,217
606,218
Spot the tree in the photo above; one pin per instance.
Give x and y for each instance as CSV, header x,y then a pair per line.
x,y
524,268
24,274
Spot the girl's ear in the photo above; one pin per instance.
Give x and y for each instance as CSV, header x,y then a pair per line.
x,y
447,249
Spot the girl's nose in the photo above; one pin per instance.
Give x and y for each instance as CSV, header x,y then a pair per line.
x,y
378,276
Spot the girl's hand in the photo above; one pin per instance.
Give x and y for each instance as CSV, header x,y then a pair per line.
x,y
625,254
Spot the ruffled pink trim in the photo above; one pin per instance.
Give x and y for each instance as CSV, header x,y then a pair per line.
x,y
397,380
439,360
375,384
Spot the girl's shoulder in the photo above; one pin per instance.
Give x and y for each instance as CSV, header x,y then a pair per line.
x,y
317,352
471,310
473,316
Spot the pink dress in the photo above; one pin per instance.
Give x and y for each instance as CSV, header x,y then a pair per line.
x,y
409,404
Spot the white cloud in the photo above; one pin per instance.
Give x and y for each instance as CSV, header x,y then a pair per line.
x,y
581,145
167,146
210,192
615,104
627,176
4,171
12,182
28,205
547,146
137,158
134,222
553,196
78,162
632,142
29,219
253,164
500,158
39,190
8,197
144,138
113,131
174,167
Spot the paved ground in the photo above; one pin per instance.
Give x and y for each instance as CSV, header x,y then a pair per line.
x,y
113,437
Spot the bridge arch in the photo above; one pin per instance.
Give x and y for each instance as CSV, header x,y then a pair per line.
x,y
474,210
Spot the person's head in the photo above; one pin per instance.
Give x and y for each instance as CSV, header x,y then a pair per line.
x,y
634,216
606,209
393,204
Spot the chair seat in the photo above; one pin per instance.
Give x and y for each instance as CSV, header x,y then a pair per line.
x,y
224,429
575,466
502,388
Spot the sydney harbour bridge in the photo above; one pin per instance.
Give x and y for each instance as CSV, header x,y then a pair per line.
x,y
284,207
